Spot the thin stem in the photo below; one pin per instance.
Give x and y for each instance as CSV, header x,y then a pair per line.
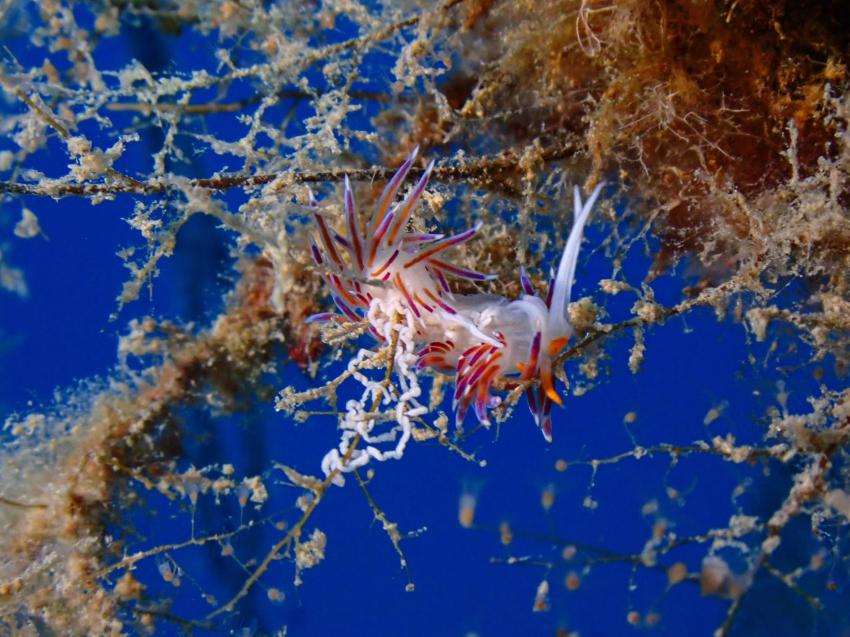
x,y
486,170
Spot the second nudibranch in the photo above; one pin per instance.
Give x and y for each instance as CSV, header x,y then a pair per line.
x,y
377,271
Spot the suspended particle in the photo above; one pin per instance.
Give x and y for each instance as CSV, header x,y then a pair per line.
x,y
304,501
547,497
128,587
782,395
246,631
27,227
541,598
649,507
676,573
652,619
714,413
466,509
569,552
817,560
168,571
192,490
148,622
506,535
715,577
243,492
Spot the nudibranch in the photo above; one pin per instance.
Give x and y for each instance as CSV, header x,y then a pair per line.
x,y
377,271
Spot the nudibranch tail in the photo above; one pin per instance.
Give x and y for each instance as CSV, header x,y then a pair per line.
x,y
557,329
378,269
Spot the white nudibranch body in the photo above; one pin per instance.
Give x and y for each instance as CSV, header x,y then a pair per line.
x,y
380,271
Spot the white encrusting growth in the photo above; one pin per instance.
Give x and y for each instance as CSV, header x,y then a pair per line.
x,y
363,421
